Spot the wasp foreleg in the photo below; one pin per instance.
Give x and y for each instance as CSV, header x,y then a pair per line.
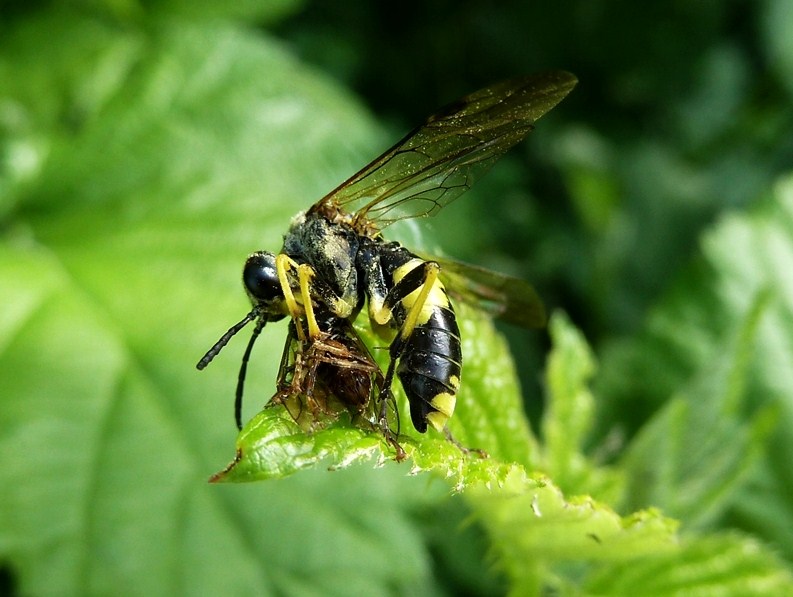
x,y
310,288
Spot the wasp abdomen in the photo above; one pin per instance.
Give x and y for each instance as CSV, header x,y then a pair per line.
x,y
429,370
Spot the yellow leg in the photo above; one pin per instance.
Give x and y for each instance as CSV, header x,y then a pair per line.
x,y
282,264
305,274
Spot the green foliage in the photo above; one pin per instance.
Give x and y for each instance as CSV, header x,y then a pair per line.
x,y
140,169
146,149
526,516
720,565
728,371
699,447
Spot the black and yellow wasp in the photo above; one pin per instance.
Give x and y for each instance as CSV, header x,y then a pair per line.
x,y
334,262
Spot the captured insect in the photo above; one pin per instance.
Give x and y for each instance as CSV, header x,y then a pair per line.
x,y
327,375
334,262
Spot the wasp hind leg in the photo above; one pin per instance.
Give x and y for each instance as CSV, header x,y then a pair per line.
x,y
412,290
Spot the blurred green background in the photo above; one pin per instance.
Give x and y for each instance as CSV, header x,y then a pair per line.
x,y
147,147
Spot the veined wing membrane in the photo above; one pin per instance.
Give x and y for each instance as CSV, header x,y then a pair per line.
x,y
443,157
510,299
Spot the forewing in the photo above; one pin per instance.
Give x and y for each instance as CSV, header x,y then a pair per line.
x,y
443,157
507,298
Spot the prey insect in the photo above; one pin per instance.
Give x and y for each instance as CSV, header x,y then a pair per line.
x,y
328,375
324,378
334,262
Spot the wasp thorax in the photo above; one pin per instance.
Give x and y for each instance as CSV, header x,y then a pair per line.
x,y
261,278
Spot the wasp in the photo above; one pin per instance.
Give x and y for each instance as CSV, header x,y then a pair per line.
x,y
334,262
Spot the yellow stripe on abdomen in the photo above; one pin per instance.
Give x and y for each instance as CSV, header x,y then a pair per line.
x,y
437,297
445,404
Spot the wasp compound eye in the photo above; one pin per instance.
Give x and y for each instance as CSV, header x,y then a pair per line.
x,y
261,278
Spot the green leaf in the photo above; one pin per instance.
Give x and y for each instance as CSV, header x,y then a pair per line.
x,y
720,343
777,17
259,11
141,166
714,566
272,445
569,417
544,540
698,449
536,531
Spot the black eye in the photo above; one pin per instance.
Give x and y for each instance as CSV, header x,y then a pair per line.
x,y
261,278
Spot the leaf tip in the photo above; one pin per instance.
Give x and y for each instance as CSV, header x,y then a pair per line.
x,y
222,475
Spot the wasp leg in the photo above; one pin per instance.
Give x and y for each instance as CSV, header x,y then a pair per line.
x,y
309,287
417,313
312,288
303,306
412,290
305,273
283,263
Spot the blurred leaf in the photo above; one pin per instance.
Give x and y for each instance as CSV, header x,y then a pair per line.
x,y
713,106
694,454
701,338
714,566
260,11
777,18
146,164
569,417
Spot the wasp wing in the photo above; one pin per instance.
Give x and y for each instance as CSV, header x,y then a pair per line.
x,y
443,157
507,298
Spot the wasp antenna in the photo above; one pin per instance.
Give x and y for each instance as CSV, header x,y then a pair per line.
x,y
224,339
243,370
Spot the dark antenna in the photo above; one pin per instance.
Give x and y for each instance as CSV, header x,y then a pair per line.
x,y
243,370
224,339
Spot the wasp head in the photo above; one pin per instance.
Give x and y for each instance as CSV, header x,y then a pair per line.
x,y
260,277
